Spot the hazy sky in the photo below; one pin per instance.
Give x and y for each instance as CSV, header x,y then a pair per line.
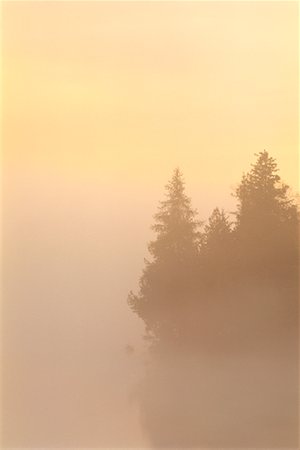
x,y
101,100
126,91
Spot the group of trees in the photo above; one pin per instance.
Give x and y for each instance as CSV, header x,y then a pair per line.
x,y
188,290
220,305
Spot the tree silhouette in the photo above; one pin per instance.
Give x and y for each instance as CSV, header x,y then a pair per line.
x,y
166,283
217,230
266,220
221,307
216,246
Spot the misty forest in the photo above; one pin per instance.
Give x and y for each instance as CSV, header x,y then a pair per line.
x,y
219,302
150,225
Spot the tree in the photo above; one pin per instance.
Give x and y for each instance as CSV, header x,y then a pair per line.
x,y
223,296
217,232
166,283
266,218
267,257
216,248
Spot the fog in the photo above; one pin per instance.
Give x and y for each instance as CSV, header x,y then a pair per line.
x,y
72,251
68,270
76,369
101,102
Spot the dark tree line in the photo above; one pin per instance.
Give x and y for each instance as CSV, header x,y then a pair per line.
x,y
197,268
227,288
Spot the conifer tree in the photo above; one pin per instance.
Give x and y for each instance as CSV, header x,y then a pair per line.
x,y
217,231
228,291
266,218
216,248
166,283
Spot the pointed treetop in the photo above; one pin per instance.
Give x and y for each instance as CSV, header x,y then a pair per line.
x,y
175,187
218,228
261,193
175,222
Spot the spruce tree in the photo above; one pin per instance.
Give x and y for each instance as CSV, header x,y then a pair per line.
x,y
267,251
217,232
216,248
167,280
266,218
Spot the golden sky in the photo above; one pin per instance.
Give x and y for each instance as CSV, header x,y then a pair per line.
x,y
126,91
101,101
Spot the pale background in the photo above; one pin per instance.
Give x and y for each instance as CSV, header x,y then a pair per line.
x,y
101,100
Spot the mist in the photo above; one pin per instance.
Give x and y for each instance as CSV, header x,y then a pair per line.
x,y
67,273
123,324
76,365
